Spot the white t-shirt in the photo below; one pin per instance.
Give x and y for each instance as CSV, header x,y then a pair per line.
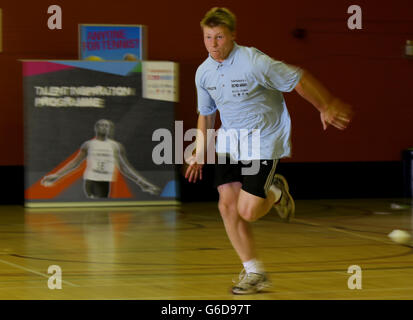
x,y
102,157
247,89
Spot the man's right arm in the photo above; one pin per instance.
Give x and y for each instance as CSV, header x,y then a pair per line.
x,y
197,160
74,163
206,120
82,154
204,123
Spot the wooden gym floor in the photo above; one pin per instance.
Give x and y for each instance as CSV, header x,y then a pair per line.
x,y
172,253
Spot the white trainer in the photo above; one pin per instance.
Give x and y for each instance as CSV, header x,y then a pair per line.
x,y
285,206
250,283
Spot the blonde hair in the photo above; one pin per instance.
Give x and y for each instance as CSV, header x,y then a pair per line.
x,y
219,17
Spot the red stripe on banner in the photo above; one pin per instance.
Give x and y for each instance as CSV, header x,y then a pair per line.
x,y
119,188
37,191
36,67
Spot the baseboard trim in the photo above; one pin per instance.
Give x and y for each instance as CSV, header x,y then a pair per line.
x,y
310,180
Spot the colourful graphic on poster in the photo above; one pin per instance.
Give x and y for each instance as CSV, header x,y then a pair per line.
x,y
112,42
88,136
160,80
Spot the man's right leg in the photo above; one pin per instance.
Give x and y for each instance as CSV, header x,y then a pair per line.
x,y
97,189
238,230
253,278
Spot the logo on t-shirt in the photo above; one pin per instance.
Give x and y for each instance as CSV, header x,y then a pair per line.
x,y
239,87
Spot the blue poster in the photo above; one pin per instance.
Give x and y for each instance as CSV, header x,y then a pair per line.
x,y
112,42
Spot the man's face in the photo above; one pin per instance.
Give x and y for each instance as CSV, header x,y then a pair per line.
x,y
103,127
219,42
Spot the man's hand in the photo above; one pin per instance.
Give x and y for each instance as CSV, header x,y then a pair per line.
x,y
148,187
194,170
338,114
49,180
333,111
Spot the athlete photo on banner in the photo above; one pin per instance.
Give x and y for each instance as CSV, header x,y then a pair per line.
x,y
88,135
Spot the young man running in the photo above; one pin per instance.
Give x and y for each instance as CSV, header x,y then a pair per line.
x,y
246,86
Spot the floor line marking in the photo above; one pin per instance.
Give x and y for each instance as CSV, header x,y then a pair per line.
x,y
35,272
344,231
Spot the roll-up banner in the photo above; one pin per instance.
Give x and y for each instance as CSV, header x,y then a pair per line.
x,y
89,134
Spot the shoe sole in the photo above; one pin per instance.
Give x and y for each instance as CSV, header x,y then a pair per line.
x,y
287,190
257,289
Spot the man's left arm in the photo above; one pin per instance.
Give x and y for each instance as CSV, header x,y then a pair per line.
x,y
127,169
333,111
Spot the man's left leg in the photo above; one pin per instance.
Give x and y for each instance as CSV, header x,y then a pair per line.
x,y
251,207
263,190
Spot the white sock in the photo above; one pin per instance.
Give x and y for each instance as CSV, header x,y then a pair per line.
x,y
254,266
277,192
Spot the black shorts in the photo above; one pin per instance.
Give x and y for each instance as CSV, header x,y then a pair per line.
x,y
256,184
97,189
